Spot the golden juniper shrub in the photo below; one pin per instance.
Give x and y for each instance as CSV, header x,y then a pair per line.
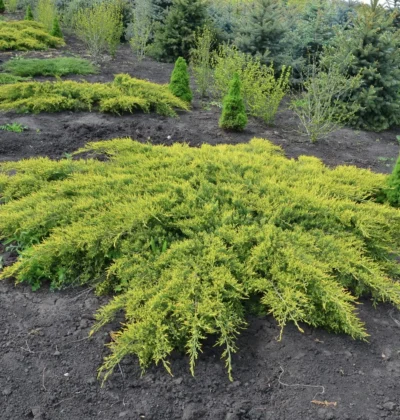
x,y
125,94
26,35
184,236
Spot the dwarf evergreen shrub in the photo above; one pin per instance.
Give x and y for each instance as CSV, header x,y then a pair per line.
x,y
233,110
6,79
26,35
393,190
179,84
56,29
28,13
185,236
123,94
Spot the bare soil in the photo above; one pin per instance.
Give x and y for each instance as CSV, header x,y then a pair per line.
x,y
48,365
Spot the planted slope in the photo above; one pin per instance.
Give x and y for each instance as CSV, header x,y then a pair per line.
x,y
187,238
26,35
124,94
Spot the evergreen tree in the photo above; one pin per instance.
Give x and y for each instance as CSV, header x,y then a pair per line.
x,y
179,84
175,37
2,6
56,30
393,191
160,8
373,43
233,109
28,13
260,32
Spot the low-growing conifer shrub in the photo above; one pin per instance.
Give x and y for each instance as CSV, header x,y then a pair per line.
x,y
30,67
26,35
56,29
6,79
124,94
233,109
179,84
186,236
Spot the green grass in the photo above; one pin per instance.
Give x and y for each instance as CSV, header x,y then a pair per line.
x,y
124,94
188,237
62,66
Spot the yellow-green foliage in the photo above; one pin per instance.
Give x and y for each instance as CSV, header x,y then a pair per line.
x,y
45,12
124,94
26,35
186,235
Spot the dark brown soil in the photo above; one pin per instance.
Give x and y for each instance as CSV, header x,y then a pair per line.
x,y
48,365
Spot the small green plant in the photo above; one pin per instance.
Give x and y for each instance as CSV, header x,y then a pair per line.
x,y
13,127
179,83
124,94
201,60
393,186
100,27
321,108
56,29
30,67
26,35
233,109
46,12
28,13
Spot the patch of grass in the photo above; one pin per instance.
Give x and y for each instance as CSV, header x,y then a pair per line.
x,y
49,67
14,127
124,94
26,35
186,236
7,79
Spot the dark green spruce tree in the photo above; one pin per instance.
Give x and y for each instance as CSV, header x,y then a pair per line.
x,y
261,32
160,8
233,108
28,13
175,38
179,84
56,30
373,44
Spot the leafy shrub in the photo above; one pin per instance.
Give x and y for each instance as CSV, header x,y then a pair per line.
x,y
179,83
6,79
262,91
46,12
108,97
201,60
30,67
12,6
13,127
28,13
186,236
233,110
100,27
26,35
322,107
393,190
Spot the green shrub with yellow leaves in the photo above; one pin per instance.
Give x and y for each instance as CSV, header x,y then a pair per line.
x,y
124,94
186,236
26,35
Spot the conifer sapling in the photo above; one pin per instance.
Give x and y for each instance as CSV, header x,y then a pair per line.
x,y
56,30
233,109
28,13
393,191
2,6
179,83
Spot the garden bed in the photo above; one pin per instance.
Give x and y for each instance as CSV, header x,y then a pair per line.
x,y
48,366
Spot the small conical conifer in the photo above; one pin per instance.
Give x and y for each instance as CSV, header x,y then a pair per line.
x,y
179,83
233,109
2,6
28,13
393,191
56,30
